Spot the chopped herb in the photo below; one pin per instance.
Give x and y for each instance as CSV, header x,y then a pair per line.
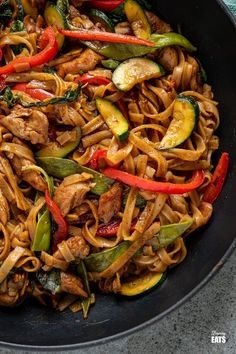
x,y
50,281
69,96
49,70
17,26
6,95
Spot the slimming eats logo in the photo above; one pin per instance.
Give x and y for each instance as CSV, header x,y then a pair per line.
x,y
218,337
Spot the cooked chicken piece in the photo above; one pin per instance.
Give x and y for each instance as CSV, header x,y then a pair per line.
x,y
31,177
7,300
110,203
158,25
27,124
168,58
13,294
77,246
74,12
4,209
29,24
86,61
123,28
72,284
70,195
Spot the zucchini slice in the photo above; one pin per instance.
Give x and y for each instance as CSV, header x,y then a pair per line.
x,y
185,116
54,16
134,71
99,16
113,118
55,150
137,19
140,284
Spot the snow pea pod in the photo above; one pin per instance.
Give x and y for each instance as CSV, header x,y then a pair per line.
x,y
98,262
82,272
119,51
41,240
61,168
169,233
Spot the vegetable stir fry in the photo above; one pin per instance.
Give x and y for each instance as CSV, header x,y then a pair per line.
x,y
107,131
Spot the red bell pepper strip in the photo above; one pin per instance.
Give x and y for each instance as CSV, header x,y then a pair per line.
x,y
94,80
49,50
87,35
1,54
154,186
99,160
38,94
62,231
105,5
217,180
111,229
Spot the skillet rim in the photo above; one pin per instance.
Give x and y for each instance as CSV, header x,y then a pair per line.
x,y
126,333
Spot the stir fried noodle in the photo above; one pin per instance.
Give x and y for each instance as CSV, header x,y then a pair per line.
x,y
105,150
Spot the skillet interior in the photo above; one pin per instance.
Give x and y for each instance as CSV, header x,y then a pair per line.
x,y
207,26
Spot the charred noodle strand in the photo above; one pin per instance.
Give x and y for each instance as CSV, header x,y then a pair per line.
x,y
18,150
117,155
5,245
89,232
145,147
20,199
124,228
31,221
10,262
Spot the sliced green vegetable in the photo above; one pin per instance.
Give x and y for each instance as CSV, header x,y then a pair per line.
x,y
114,118
50,281
171,38
56,150
61,168
137,19
98,262
125,51
64,6
169,233
119,51
42,235
29,9
55,17
110,63
82,272
134,71
185,116
99,16
141,283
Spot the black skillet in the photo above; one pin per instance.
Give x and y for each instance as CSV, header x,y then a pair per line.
x,y
208,25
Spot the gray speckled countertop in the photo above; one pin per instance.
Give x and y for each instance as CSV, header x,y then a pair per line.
x,y
187,329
